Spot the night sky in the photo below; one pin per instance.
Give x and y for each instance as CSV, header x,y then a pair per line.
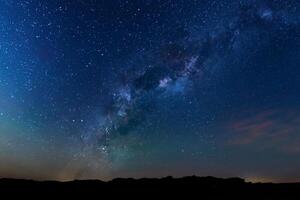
x,y
99,89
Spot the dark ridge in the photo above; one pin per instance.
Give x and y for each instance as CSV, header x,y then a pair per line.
x,y
188,186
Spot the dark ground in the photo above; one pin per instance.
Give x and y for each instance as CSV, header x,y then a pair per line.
x,y
199,187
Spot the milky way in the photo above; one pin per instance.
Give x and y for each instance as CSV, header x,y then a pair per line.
x,y
149,88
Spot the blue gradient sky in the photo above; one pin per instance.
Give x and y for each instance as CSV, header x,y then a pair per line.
x,y
104,89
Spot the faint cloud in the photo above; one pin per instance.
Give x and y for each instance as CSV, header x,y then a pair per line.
x,y
273,128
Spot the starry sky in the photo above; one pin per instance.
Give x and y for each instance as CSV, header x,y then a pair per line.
x,y
150,88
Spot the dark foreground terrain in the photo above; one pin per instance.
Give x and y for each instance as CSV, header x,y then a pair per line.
x,y
187,186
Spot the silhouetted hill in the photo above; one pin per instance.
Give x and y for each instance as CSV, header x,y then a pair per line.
x,y
145,187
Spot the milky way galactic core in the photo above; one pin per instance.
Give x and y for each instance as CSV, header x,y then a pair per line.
x,y
104,89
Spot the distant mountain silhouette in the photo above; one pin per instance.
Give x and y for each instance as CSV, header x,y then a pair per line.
x,y
147,187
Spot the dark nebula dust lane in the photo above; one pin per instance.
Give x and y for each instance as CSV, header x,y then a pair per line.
x,y
104,89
